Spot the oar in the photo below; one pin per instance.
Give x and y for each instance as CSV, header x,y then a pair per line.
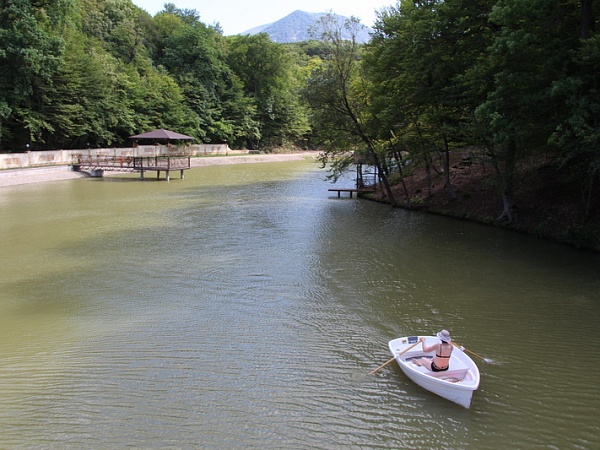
x,y
395,356
487,360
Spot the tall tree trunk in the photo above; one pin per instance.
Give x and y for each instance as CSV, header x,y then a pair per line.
x,y
383,177
400,162
508,176
428,164
426,157
447,180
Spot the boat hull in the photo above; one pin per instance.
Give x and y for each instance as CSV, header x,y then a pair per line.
x,y
457,384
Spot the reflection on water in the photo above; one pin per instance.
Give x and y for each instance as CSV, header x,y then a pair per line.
x,y
243,307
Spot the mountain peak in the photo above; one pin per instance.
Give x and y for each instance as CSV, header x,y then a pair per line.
x,y
295,28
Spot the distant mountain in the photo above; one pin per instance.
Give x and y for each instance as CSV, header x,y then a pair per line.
x,y
294,28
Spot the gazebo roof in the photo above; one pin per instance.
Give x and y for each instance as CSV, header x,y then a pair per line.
x,y
162,134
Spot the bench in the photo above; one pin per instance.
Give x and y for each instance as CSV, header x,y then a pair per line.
x,y
456,372
452,375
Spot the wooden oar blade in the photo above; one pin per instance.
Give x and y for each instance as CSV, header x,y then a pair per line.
x,y
387,362
487,360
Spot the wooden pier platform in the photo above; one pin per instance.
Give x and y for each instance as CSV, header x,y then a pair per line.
x,y
350,191
98,164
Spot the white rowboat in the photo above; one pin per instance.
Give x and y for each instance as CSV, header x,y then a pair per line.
x,y
456,384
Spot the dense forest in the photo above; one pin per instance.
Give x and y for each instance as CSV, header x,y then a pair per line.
x,y
510,88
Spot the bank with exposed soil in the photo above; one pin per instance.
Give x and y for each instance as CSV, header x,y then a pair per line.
x,y
546,205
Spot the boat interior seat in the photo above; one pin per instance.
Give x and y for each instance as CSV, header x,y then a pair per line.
x,y
457,371
451,374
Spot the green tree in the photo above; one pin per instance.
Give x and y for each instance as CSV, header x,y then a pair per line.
x,y
193,54
530,51
339,99
117,25
90,99
30,54
98,100
159,102
577,135
418,62
272,79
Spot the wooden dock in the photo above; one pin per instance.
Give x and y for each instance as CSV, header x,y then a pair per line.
x,y
350,191
98,164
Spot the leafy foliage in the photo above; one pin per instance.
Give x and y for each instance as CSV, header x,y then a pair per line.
x,y
340,101
516,78
93,72
30,54
268,74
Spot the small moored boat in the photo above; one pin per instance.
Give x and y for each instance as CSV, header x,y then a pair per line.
x,y
456,384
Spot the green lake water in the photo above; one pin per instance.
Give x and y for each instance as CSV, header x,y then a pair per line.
x,y
244,307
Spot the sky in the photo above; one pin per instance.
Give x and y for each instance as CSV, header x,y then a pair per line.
x,y
237,16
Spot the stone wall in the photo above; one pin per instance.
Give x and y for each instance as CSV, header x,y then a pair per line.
x,y
64,157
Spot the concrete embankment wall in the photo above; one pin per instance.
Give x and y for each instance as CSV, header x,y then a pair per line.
x,y
62,157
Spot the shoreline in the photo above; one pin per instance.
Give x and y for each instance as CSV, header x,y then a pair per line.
x,y
16,177
475,203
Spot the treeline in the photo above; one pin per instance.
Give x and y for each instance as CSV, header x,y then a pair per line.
x,y
77,73
518,80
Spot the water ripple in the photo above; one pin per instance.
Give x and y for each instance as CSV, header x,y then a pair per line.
x,y
244,308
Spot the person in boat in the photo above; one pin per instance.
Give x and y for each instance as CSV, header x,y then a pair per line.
x,y
443,350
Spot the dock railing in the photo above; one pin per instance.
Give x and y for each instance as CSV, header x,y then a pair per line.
x,y
98,164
